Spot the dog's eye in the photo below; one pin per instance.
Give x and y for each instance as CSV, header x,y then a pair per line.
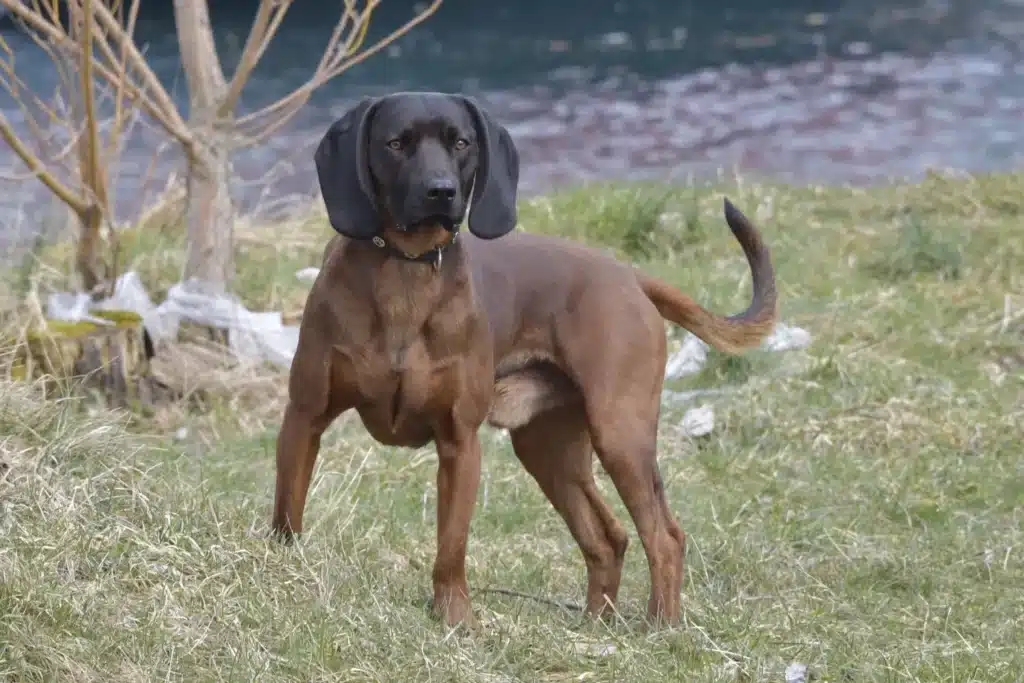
x,y
461,143
395,144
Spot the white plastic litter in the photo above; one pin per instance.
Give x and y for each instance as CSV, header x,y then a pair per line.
x,y
253,336
693,353
130,295
698,421
264,336
307,275
787,338
669,396
595,649
688,360
71,308
796,673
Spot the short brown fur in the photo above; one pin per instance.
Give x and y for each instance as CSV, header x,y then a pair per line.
x,y
559,343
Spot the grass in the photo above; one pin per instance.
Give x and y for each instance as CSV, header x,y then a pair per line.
x,y
859,507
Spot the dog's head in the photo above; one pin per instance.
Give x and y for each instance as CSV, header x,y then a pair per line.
x,y
412,160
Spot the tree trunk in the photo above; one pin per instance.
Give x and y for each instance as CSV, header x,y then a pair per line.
x,y
110,360
90,266
210,214
92,174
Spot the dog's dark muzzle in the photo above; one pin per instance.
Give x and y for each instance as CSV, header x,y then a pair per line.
x,y
439,203
448,222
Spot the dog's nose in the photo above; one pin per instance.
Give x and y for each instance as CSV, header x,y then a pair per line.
x,y
441,189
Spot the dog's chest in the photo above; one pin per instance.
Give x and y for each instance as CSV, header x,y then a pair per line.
x,y
407,378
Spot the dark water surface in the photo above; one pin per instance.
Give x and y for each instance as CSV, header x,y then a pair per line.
x,y
827,91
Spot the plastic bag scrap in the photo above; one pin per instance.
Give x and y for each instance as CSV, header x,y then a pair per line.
x,y
693,352
691,357
252,336
698,421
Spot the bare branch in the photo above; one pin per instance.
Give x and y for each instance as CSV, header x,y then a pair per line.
x,y
122,77
28,101
259,125
59,158
90,147
17,88
152,97
264,27
132,56
32,104
156,104
91,168
136,95
77,203
170,118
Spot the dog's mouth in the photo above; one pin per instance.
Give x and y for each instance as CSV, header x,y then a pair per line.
x,y
432,222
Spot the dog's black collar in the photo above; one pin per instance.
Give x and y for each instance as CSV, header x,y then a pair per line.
x,y
434,257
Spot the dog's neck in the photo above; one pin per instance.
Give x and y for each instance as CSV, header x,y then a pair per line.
x,y
398,264
406,293
417,244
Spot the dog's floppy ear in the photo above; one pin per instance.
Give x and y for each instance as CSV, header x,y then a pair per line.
x,y
493,210
342,167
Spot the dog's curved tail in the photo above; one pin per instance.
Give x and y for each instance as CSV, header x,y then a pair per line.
x,y
736,333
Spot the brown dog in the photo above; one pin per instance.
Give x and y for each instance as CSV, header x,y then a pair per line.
x,y
427,337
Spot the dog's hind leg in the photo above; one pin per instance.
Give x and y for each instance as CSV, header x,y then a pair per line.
x,y
625,439
555,449
621,381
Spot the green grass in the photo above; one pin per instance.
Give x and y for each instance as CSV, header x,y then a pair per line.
x,y
859,507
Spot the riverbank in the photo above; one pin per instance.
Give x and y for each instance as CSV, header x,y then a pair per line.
x,y
876,91
856,509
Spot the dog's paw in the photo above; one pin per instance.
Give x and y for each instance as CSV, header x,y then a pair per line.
x,y
453,608
282,534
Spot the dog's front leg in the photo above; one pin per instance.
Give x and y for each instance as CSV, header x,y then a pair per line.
x,y
298,445
458,479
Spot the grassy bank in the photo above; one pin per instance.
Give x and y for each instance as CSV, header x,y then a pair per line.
x,y
858,509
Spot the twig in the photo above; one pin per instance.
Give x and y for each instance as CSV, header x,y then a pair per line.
x,y
264,27
153,99
122,78
90,149
175,124
35,165
29,102
333,62
562,604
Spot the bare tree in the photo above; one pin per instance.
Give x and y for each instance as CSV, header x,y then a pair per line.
x,y
64,147
212,130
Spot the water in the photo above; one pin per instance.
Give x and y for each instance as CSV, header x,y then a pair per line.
x,y
824,91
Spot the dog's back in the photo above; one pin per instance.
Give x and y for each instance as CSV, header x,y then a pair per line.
x,y
540,276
